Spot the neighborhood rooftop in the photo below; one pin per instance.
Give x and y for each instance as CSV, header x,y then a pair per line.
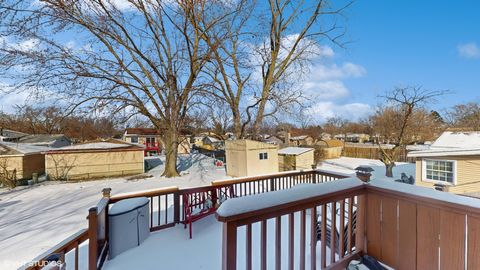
x,y
294,150
453,143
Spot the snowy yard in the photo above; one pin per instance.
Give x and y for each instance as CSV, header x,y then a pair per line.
x,y
34,219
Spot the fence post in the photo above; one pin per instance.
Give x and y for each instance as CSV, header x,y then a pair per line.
x,y
176,207
92,239
229,246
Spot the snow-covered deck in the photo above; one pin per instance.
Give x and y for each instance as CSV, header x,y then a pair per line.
x,y
172,249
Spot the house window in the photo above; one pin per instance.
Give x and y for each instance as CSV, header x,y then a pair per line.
x,y
263,156
439,170
134,139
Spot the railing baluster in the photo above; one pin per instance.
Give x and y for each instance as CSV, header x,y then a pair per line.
x,y
159,207
341,240
151,212
248,247
350,228
76,256
278,243
302,239
290,240
323,237
313,238
263,245
166,209
333,229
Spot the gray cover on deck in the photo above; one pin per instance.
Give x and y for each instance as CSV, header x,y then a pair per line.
x,y
128,225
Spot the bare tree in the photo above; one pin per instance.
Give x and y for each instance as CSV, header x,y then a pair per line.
x,y
145,58
258,72
62,165
465,116
8,176
403,104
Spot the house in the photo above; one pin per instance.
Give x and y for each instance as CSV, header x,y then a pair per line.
x,y
212,143
301,140
274,140
295,158
46,140
21,158
8,135
451,163
94,160
248,157
353,137
151,139
331,148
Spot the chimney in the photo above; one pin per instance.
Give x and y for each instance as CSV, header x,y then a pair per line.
x,y
364,173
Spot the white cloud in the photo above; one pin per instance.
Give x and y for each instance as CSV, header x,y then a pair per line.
x,y
335,72
10,100
321,111
327,90
469,50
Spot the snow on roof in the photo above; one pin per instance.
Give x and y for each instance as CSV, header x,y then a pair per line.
x,y
95,145
452,143
212,139
301,137
41,138
21,148
294,150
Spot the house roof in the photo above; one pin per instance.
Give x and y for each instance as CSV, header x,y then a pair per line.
x,y
101,146
212,139
7,133
41,138
294,150
301,137
452,143
11,148
141,131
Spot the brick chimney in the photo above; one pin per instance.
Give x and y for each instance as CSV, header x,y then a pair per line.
x,y
364,173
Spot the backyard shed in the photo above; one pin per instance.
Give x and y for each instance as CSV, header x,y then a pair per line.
x,y
248,157
295,158
23,159
95,160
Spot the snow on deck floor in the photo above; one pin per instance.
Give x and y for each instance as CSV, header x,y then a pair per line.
x,y
34,219
172,249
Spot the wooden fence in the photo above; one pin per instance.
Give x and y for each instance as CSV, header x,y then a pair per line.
x,y
374,153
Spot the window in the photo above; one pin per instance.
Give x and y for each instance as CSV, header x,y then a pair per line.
x,y
439,170
134,139
263,156
151,140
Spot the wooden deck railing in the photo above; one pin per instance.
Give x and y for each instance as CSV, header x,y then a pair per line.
x,y
404,226
328,221
166,210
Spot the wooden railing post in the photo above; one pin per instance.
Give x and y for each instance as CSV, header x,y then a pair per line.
x,y
92,239
360,234
229,246
176,207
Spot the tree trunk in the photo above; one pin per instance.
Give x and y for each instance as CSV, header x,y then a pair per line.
x,y
237,126
171,153
389,169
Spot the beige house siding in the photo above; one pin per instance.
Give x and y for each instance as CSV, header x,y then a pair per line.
x,y
296,162
467,174
243,158
25,165
95,164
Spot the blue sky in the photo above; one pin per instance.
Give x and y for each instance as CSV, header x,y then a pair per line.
x,y
430,43
435,44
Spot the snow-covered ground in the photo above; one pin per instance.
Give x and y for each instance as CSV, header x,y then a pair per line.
x,y
36,218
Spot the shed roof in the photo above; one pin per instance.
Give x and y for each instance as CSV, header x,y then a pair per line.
x,y
8,133
294,150
100,146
